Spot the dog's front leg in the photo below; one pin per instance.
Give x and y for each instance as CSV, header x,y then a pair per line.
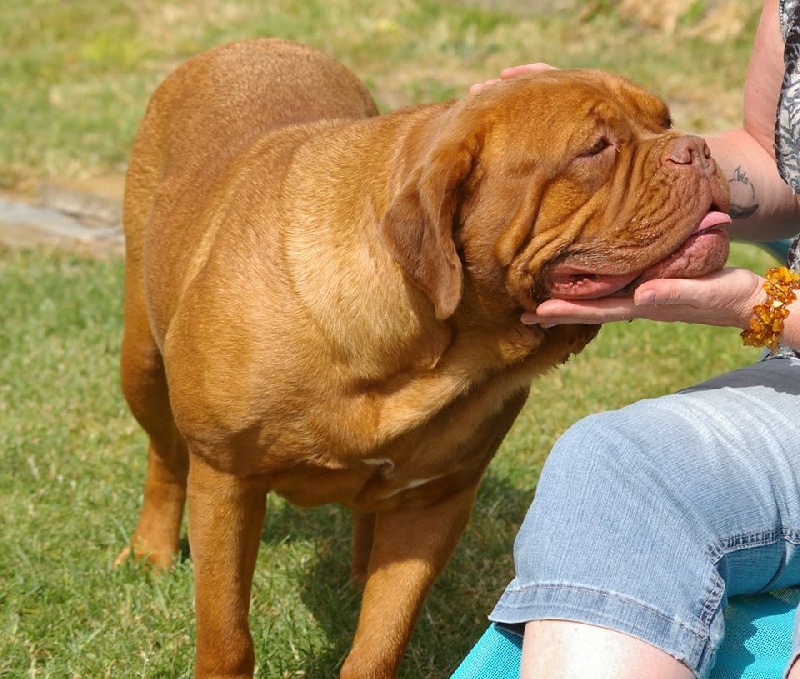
x,y
226,515
409,550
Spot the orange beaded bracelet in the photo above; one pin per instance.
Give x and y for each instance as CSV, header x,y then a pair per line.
x,y
766,323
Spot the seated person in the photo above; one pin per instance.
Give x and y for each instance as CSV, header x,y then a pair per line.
x,y
648,518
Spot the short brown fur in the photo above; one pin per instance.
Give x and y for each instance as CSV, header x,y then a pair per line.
x,y
324,303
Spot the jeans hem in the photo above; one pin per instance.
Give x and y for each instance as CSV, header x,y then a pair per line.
x,y
609,610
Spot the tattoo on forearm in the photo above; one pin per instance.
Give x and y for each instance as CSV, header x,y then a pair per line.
x,y
743,195
739,212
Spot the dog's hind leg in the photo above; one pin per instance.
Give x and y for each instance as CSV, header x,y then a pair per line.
x,y
156,537
363,535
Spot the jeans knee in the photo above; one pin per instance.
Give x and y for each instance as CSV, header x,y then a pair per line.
x,y
613,462
599,446
604,490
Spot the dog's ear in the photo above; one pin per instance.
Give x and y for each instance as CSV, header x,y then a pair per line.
x,y
418,226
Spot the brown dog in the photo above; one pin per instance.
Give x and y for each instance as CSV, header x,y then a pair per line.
x,y
325,303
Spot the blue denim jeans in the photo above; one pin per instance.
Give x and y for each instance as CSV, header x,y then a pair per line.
x,y
646,519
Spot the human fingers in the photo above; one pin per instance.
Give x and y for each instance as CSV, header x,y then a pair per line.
x,y
723,298
512,72
581,312
728,287
709,289
673,291
522,69
477,87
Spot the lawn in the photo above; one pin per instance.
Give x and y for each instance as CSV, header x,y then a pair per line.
x,y
73,465
74,78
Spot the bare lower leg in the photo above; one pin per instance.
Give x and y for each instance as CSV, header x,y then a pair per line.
x,y
559,649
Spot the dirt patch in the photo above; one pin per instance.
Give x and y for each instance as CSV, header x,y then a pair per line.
x,y
81,215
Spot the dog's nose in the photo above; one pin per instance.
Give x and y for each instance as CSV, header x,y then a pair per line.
x,y
690,150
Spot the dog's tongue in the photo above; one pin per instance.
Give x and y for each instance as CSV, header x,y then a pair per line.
x,y
704,251
713,218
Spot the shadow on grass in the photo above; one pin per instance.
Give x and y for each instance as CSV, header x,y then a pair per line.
x,y
455,613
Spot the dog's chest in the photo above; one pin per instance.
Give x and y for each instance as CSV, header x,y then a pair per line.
x,y
397,455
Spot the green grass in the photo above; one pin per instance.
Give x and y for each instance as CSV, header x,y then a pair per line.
x,y
73,465
75,76
74,81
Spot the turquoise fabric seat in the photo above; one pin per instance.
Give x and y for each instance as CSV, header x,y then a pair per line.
x,y
758,642
758,636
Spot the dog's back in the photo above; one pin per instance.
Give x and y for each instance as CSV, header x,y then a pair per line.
x,y
229,97
234,94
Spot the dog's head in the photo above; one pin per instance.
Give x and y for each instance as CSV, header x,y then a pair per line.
x,y
558,184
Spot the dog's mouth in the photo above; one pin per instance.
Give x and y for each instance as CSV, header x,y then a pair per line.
x,y
705,250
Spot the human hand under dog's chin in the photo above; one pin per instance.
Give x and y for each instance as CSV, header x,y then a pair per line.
x,y
724,298
513,72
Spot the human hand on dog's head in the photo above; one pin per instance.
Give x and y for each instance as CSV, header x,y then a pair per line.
x,y
512,72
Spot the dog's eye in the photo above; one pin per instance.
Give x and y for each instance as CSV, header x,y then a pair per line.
x,y
598,147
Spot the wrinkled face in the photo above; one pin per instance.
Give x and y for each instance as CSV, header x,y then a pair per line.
x,y
579,189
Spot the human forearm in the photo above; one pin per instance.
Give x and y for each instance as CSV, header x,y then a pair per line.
x,y
763,207
790,336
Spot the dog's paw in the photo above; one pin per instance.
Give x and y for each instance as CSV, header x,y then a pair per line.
x,y
159,560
